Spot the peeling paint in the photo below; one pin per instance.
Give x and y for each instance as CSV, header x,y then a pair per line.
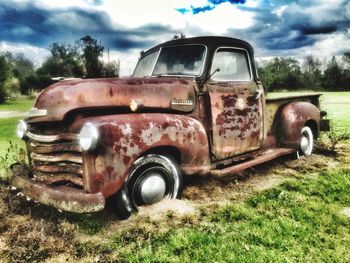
x,y
238,117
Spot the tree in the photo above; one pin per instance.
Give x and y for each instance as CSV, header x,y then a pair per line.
x,y
281,73
312,72
346,60
22,66
65,61
35,81
5,75
91,54
111,69
332,75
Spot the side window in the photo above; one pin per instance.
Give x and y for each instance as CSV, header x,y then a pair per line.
x,y
233,65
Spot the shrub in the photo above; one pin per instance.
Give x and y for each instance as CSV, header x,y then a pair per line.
x,y
334,136
13,154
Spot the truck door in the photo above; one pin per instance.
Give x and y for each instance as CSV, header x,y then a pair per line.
x,y
236,104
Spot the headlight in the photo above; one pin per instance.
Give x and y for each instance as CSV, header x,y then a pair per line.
x,y
88,137
22,129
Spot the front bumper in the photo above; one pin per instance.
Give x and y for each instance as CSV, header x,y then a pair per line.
x,y
60,197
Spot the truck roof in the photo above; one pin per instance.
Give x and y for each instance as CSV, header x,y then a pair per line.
x,y
209,41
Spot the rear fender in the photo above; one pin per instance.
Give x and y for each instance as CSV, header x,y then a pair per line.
x,y
292,118
126,137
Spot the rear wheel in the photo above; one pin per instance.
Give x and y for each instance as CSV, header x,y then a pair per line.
x,y
306,144
152,178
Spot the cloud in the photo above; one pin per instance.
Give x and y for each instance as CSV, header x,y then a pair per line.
x,y
274,28
319,30
94,2
288,29
27,23
211,5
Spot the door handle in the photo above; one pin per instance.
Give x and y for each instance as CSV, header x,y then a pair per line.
x,y
258,93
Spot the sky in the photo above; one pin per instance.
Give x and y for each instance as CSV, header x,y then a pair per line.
x,y
125,27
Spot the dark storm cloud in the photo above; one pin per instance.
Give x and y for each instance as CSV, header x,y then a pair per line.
x,y
295,27
319,30
212,4
30,24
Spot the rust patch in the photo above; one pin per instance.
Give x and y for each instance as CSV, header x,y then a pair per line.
x,y
240,122
126,137
237,119
110,92
61,98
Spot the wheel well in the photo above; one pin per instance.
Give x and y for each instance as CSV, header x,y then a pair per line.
x,y
313,126
166,150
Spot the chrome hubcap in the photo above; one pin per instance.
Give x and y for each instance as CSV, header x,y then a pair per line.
x,y
304,144
152,188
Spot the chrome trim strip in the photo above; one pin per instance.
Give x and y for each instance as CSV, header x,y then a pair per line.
x,y
56,158
182,102
35,112
51,138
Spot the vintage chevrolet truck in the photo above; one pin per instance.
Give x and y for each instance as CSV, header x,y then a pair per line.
x,y
192,106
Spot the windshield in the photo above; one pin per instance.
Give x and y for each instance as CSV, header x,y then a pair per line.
x,y
176,60
145,66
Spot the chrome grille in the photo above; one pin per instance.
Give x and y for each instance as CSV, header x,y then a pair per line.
x,y
56,159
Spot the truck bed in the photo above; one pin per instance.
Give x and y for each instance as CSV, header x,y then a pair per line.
x,y
313,97
275,100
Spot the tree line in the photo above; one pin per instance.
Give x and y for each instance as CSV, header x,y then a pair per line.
x,y
289,74
83,59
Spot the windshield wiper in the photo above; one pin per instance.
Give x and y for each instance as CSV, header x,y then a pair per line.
x,y
172,74
198,80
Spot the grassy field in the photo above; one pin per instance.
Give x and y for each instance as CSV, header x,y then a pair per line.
x,y
284,211
297,221
17,105
8,125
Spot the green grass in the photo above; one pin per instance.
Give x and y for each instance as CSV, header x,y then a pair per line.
x,y
8,133
17,105
8,125
299,221
337,104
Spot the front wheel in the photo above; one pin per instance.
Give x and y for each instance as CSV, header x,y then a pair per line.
x,y
151,178
306,145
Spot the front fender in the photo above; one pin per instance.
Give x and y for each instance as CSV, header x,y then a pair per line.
x,y
292,118
125,137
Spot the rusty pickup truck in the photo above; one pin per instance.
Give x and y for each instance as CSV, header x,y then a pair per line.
x,y
192,106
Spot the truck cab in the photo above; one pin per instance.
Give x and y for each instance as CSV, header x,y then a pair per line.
x,y
192,106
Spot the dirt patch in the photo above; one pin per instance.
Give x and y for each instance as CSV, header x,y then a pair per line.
x,y
208,190
269,182
167,207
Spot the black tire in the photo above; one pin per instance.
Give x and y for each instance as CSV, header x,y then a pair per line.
x,y
149,170
306,144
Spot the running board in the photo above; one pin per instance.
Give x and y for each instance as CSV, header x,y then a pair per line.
x,y
264,157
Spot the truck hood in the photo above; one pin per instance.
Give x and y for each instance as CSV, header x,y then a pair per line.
x,y
160,93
